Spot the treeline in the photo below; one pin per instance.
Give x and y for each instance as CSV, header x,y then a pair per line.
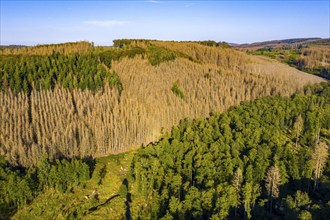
x,y
113,54
126,42
149,49
262,160
154,54
49,49
19,185
211,43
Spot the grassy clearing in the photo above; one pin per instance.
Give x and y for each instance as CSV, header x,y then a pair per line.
x,y
105,203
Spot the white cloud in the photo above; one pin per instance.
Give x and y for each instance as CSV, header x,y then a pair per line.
x,y
189,5
105,23
154,1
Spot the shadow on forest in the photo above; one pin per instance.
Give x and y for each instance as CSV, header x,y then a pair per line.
x,y
128,199
122,192
280,207
107,201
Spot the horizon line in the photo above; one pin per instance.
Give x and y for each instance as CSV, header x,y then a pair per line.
x,y
41,44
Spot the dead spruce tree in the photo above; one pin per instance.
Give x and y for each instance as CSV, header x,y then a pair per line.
x,y
273,181
319,159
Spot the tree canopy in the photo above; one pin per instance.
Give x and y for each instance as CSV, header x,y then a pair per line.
x,y
187,173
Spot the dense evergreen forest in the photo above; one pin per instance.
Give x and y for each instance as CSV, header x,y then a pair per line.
x,y
266,159
78,100
261,160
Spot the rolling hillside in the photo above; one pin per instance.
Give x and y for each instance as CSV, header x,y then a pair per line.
x,y
76,100
310,55
279,43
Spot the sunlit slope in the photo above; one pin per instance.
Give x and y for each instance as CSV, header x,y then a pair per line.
x,y
161,84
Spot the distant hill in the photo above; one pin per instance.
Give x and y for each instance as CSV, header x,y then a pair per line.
x,y
322,42
11,46
275,43
310,55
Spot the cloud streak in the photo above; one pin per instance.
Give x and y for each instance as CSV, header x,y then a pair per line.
x,y
105,23
189,5
154,1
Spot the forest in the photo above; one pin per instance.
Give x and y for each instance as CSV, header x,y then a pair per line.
x,y
263,159
151,129
260,160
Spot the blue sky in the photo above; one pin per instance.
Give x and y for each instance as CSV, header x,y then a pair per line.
x,y
39,22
